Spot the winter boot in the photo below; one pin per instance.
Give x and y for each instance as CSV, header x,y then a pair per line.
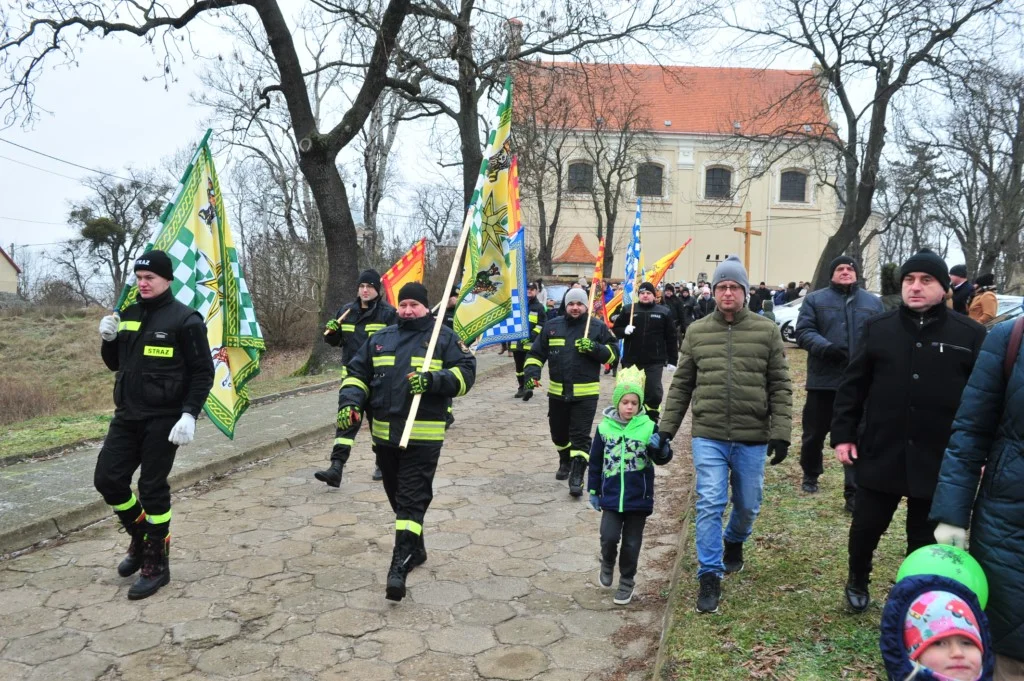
x,y
519,393
156,568
577,468
606,574
624,594
527,394
376,477
522,388
401,557
136,529
857,596
733,558
810,484
709,593
332,476
419,554
563,465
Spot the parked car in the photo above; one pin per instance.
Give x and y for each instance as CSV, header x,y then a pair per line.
x,y
1010,307
785,317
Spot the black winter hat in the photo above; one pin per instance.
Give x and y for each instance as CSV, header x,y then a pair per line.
x,y
929,262
371,277
647,286
414,291
670,287
986,280
843,260
157,262
958,271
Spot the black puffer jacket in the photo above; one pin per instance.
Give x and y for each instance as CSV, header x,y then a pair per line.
x,y
653,340
988,434
574,376
359,324
832,316
162,359
905,382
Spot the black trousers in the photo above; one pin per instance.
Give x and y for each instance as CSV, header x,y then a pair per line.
x,y
409,479
519,357
653,390
817,424
571,424
629,527
871,517
131,445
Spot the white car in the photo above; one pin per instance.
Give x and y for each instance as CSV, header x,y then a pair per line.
x,y
785,317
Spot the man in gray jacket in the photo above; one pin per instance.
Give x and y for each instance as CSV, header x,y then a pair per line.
x,y
830,323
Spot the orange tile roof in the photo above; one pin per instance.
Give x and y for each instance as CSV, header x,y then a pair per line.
x,y
576,254
691,99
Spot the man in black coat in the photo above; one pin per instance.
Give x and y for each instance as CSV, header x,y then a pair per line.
x,y
904,382
828,328
960,287
650,343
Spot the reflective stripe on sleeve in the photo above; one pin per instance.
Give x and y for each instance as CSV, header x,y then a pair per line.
x,y
373,328
457,372
348,328
352,380
129,326
343,441
435,364
533,361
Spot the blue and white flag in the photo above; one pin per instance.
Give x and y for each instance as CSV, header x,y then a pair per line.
x,y
633,261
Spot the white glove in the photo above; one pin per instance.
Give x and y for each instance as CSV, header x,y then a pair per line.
x,y
952,535
108,327
630,329
183,431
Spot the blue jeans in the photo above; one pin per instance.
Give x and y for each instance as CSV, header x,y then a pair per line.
x,y
718,464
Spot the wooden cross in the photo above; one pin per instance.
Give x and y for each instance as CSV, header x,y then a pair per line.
x,y
747,233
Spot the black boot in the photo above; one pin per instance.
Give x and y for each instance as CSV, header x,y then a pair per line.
x,y
563,465
156,568
332,476
376,477
419,554
577,468
733,557
857,596
810,484
709,593
527,394
136,529
401,558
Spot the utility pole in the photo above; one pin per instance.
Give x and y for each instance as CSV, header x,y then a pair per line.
x,y
747,233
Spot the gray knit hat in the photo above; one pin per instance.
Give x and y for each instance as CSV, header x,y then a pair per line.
x,y
730,269
576,295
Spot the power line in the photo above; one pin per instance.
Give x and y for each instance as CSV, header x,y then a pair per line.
x,y
35,222
45,170
72,163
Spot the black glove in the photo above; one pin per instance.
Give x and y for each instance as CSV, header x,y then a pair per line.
x,y
664,453
836,354
780,448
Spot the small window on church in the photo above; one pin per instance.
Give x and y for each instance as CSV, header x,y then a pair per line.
x,y
793,187
581,178
648,180
717,183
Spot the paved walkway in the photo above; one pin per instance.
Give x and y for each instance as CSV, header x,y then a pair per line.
x,y
277,576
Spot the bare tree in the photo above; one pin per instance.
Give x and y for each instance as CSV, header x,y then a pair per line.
x,y
35,33
439,209
118,219
78,273
887,46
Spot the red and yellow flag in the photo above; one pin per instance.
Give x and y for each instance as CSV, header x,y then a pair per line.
x,y
409,268
653,275
515,213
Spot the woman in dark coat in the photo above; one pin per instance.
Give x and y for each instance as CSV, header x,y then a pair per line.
x,y
988,434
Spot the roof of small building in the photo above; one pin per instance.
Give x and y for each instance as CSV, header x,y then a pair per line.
x,y
10,260
576,253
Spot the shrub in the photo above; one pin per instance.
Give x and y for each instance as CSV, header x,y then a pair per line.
x,y
20,401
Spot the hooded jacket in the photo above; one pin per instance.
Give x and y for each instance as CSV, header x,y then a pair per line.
x,y
737,376
988,434
621,469
890,640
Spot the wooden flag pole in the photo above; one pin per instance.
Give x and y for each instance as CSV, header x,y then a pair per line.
x,y
590,307
340,320
438,323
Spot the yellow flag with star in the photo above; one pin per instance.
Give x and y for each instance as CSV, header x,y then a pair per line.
x,y
485,298
209,279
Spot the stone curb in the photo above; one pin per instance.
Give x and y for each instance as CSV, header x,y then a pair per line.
x,y
60,523
668,620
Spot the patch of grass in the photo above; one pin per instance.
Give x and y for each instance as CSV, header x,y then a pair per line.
x,y
27,437
784,616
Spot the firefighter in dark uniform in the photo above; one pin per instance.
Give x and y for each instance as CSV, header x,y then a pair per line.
x,y
574,360
537,317
382,379
161,355
365,315
649,343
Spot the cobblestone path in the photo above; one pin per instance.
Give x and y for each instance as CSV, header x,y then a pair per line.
x,y
276,576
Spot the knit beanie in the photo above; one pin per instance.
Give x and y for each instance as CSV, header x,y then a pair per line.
x,y
647,286
157,262
936,615
730,269
670,287
628,380
929,262
414,291
843,260
371,277
576,295
986,280
958,271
